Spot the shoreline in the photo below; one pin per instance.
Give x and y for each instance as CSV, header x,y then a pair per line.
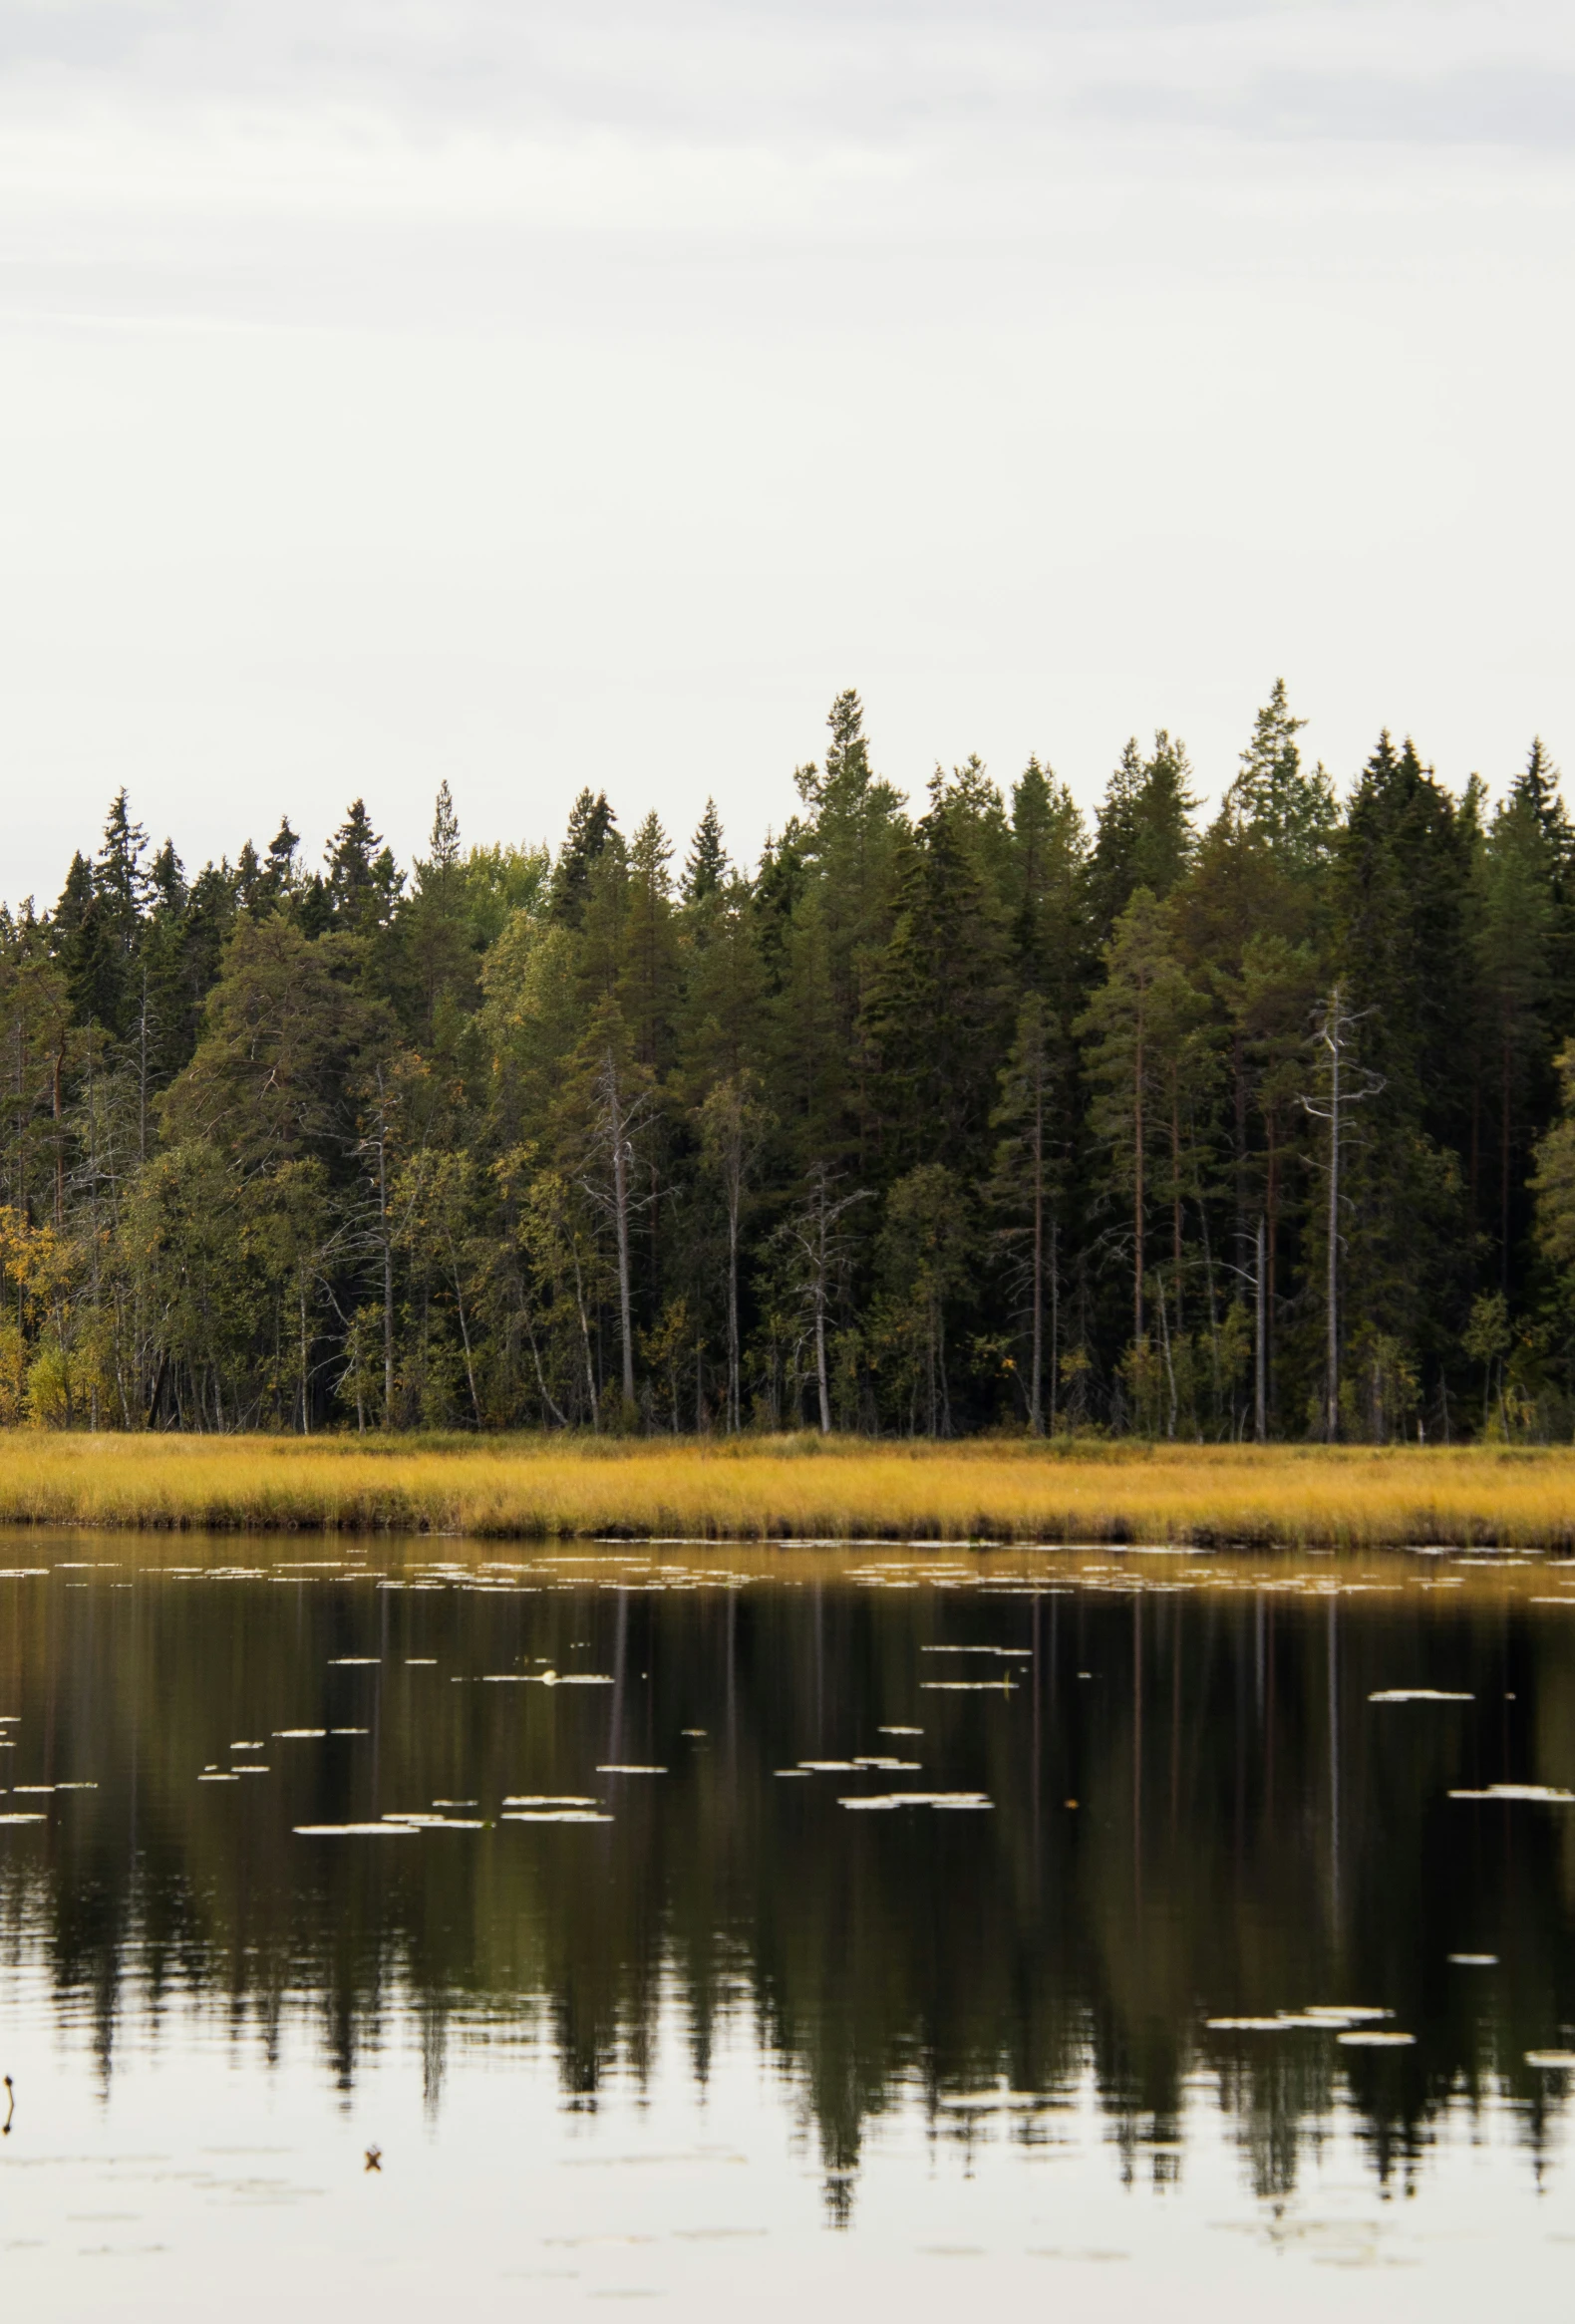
x,y
798,1492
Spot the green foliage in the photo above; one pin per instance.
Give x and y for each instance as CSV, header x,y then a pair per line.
x,y
1290,812
592,831
937,1121
1144,838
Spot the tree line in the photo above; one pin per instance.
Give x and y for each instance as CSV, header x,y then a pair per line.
x,y
970,1114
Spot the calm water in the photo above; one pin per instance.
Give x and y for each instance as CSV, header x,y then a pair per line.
x,y
720,2032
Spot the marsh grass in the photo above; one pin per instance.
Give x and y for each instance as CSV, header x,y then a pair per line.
x,y
797,1488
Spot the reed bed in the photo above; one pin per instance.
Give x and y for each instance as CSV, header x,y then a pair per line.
x,y
797,1488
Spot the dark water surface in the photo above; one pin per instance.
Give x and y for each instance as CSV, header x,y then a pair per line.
x,y
725,2033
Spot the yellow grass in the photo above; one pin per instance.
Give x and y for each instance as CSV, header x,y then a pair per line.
x,y
792,1488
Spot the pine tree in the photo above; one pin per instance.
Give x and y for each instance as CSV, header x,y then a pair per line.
x,y
706,867
1401,956
918,1108
854,846
733,1128
1515,923
1239,888
363,883
1022,1186
86,942
118,878
1401,878
166,880
1276,801
1537,787
432,939
648,980
160,1036
936,1018
1142,1055
98,920
811,1061
592,825
279,875
605,1119
1271,1003
925,1252
1049,890
1554,1181
723,1011
248,877
444,845
1144,837
271,1079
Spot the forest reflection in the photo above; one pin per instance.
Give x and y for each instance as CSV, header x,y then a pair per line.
x,y
1197,1811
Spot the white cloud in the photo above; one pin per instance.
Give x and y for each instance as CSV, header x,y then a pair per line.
x,y
538,395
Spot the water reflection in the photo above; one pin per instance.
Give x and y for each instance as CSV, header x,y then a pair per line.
x,y
1193,1809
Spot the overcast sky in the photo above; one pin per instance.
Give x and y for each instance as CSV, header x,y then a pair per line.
x,y
538,394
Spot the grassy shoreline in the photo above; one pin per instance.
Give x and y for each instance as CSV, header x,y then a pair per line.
x,y
797,1489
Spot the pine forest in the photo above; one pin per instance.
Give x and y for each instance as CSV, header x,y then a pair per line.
x,y
959,1115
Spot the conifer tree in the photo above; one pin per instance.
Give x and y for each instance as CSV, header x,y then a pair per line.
x,y
706,866
278,875
119,879
936,1014
1292,812
648,982
1022,1188
1144,837
926,1246
1401,951
1136,1031
362,880
852,845
733,1128
592,824
810,1058
1514,935
434,939
934,1119
1048,890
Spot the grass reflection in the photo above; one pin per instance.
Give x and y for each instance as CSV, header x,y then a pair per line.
x,y
1217,1791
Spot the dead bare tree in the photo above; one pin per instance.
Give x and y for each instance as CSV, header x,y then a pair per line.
x,y
1345,1086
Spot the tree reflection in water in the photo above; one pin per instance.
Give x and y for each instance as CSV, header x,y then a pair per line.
x,y
1197,1812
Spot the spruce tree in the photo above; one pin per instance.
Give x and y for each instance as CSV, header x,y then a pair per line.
x,y
592,824
1143,835
279,870
648,980
119,877
1275,799
706,867
1022,1192
853,844
87,944
363,883
936,1019
431,954
1140,1033
1047,889
1401,956
1514,933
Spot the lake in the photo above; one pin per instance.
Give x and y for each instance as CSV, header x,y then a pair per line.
x,y
433,1923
